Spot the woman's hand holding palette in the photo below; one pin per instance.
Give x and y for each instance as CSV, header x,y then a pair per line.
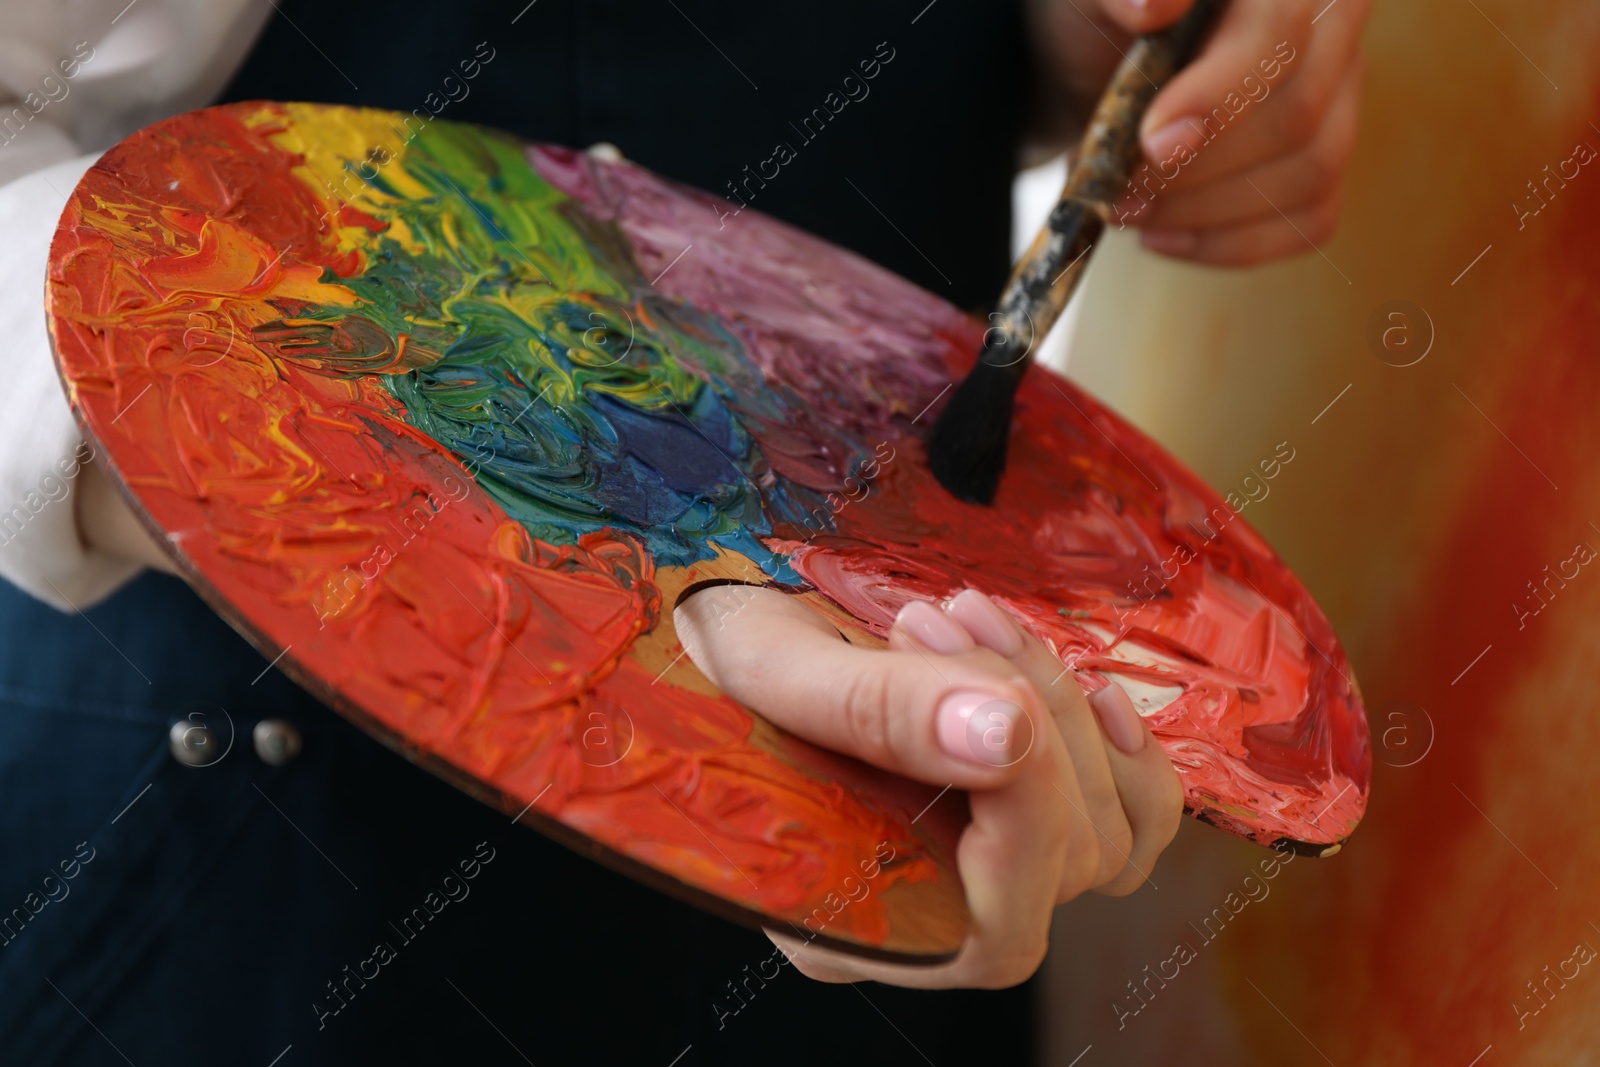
x,y
452,423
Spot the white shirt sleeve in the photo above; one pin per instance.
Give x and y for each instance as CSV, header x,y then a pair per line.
x,y
40,446
74,78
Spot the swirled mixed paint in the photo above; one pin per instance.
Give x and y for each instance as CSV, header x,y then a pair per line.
x,y
517,393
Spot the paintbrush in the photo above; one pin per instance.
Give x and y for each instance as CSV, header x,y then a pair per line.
x,y
967,448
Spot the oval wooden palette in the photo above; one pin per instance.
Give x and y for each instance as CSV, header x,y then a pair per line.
x,y
446,425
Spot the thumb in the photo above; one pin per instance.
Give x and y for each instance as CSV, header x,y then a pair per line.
x,y
966,720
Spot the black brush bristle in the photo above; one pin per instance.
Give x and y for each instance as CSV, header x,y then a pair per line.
x,y
967,448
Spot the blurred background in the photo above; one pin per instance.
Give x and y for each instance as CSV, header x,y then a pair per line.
x,y
1435,370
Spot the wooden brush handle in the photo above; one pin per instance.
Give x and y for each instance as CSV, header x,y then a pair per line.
x,y
1043,280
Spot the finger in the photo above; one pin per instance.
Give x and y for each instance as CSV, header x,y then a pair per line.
x,y
1021,845
1286,115
1292,183
965,720
1258,90
815,962
1273,237
1152,796
1140,16
1101,806
605,151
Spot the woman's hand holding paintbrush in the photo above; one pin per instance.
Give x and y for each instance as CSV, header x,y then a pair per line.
x,y
1220,183
968,445
1245,149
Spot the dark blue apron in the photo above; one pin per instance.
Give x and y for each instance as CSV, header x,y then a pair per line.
x,y
163,913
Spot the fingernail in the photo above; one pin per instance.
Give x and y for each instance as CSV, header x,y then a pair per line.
x,y
1170,242
983,619
1118,718
933,629
980,727
1160,146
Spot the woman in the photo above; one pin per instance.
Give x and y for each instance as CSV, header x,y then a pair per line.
x,y
229,878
